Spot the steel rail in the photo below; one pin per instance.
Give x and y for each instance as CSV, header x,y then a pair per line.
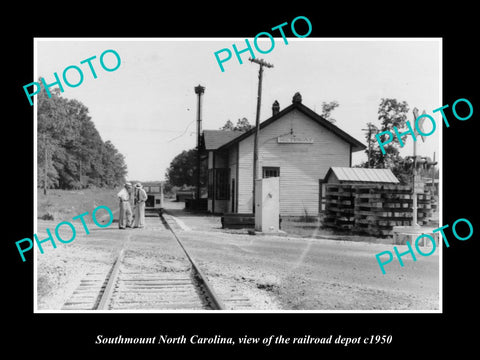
x,y
211,293
107,292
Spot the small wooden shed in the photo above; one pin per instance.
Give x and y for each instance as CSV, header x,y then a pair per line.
x,y
351,175
371,201
354,176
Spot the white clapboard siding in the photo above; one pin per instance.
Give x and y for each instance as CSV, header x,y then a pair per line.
x,y
245,175
232,161
301,165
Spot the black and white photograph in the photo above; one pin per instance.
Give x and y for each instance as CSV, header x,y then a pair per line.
x,y
207,213
282,182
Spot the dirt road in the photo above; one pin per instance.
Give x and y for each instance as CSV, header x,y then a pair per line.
x,y
275,272
314,274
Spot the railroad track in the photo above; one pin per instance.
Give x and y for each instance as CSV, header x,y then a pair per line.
x,y
126,287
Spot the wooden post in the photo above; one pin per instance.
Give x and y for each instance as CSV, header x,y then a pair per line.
x,y
369,144
415,215
256,170
257,125
45,166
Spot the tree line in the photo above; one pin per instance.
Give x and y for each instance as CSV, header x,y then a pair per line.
x,y
70,151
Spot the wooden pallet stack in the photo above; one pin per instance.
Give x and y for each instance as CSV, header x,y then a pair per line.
x,y
374,209
432,191
378,208
425,206
339,207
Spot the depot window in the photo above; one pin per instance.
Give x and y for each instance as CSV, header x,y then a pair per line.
x,y
210,184
269,171
221,184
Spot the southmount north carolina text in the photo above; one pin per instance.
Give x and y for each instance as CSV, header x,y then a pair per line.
x,y
245,340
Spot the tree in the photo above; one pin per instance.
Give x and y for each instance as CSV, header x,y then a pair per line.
x,y
242,125
228,125
47,174
327,109
113,165
391,113
70,149
183,169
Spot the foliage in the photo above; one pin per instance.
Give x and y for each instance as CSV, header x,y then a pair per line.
x,y
228,125
183,169
242,125
391,113
327,109
70,149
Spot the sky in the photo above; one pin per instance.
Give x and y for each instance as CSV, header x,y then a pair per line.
x,y
147,107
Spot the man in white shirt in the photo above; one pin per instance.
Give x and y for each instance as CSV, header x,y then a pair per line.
x,y
125,214
140,198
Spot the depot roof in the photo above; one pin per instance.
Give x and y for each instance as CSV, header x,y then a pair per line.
x,y
220,139
213,139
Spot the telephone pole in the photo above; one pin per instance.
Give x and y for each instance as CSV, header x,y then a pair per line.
x,y
414,176
370,128
256,171
45,165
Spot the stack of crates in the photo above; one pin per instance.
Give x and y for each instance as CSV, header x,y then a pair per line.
x,y
378,208
339,207
374,209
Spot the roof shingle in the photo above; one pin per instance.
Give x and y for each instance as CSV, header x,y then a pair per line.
x,y
363,175
215,138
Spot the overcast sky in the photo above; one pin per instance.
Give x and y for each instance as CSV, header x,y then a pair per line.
x,y
147,107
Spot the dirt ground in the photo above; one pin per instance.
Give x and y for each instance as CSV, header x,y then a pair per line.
x,y
274,272
60,270
322,272
318,274
152,249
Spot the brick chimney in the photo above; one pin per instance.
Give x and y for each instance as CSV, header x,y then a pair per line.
x,y
297,98
275,108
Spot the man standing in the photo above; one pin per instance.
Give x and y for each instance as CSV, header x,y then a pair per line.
x,y
140,198
125,214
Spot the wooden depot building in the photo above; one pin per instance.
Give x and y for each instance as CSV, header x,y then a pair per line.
x,y
295,144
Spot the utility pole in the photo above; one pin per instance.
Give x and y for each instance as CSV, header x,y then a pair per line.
x,y
370,125
432,172
414,221
256,171
45,165
199,90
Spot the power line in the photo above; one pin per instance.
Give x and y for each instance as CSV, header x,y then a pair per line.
x,y
184,132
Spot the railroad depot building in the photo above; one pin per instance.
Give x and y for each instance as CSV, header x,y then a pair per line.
x,y
295,144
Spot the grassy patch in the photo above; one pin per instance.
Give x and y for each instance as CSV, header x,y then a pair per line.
x,y
300,226
60,205
311,227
